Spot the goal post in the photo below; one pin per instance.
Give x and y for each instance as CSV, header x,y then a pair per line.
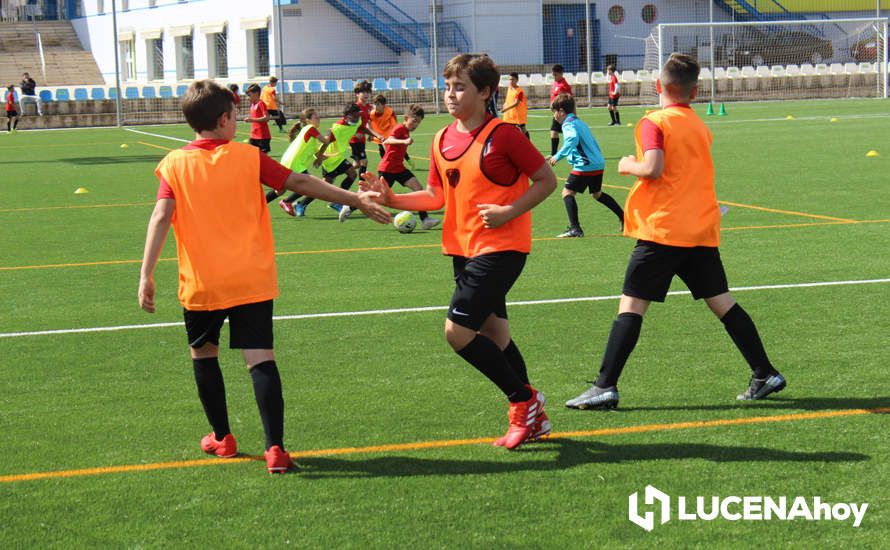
x,y
781,59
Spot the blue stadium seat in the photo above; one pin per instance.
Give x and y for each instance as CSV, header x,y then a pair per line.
x,y
97,93
395,83
441,82
283,87
330,86
62,94
410,83
380,84
314,86
112,93
298,87
347,85
427,83
46,96
132,92
165,91
148,92
180,90
80,94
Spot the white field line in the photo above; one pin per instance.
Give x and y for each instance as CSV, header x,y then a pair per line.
x,y
156,135
436,308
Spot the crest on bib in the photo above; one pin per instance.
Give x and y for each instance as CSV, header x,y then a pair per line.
x,y
453,175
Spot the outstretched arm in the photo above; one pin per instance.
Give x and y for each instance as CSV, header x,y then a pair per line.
x,y
311,186
430,198
158,227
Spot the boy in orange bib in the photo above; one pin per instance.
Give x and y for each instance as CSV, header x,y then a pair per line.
x,y
672,212
480,170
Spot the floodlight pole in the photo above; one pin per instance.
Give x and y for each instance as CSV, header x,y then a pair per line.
x,y
117,64
711,49
587,50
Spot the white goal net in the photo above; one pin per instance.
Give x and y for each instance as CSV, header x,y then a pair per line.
x,y
800,59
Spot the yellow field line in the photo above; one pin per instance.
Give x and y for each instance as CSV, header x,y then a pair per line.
x,y
161,147
102,470
416,246
75,207
71,145
762,208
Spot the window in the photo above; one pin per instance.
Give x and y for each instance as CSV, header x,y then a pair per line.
x,y
218,55
155,50
185,59
649,13
100,7
258,52
616,14
152,3
128,59
125,5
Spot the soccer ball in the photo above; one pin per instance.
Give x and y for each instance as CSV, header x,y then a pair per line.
x,y
405,222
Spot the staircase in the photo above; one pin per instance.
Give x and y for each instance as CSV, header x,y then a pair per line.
x,y
383,20
67,63
742,10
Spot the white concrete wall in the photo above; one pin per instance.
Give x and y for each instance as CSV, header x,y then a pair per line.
x,y
510,31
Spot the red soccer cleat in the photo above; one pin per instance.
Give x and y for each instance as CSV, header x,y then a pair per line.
x,y
287,207
225,448
540,428
277,460
522,417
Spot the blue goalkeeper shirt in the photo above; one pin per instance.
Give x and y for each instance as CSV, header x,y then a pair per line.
x,y
579,147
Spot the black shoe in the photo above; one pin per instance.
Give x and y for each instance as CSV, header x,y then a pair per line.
x,y
761,387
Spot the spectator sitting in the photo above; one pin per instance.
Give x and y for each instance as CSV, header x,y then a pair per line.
x,y
29,95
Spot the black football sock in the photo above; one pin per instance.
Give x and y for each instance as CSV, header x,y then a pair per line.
x,y
554,145
347,183
517,363
612,116
267,389
15,124
212,392
423,215
607,200
292,197
306,200
744,335
488,359
617,117
572,211
622,340
271,196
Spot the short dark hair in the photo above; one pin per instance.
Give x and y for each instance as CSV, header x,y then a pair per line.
x,y
253,89
514,75
610,68
481,69
234,88
380,98
557,69
273,79
204,102
563,101
680,74
415,110
351,109
363,86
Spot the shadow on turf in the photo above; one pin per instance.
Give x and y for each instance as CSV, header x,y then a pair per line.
x,y
802,403
569,453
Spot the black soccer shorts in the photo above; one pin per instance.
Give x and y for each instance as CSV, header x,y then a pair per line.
x,y
481,286
250,326
652,266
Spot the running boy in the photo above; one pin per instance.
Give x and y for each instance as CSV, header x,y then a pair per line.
x,y
332,156
210,193
560,86
269,96
392,165
260,136
583,153
358,140
305,140
383,121
515,109
12,116
614,96
672,211
480,171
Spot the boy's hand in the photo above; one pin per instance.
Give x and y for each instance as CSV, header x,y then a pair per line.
x,y
626,164
552,161
368,205
494,215
147,294
371,182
